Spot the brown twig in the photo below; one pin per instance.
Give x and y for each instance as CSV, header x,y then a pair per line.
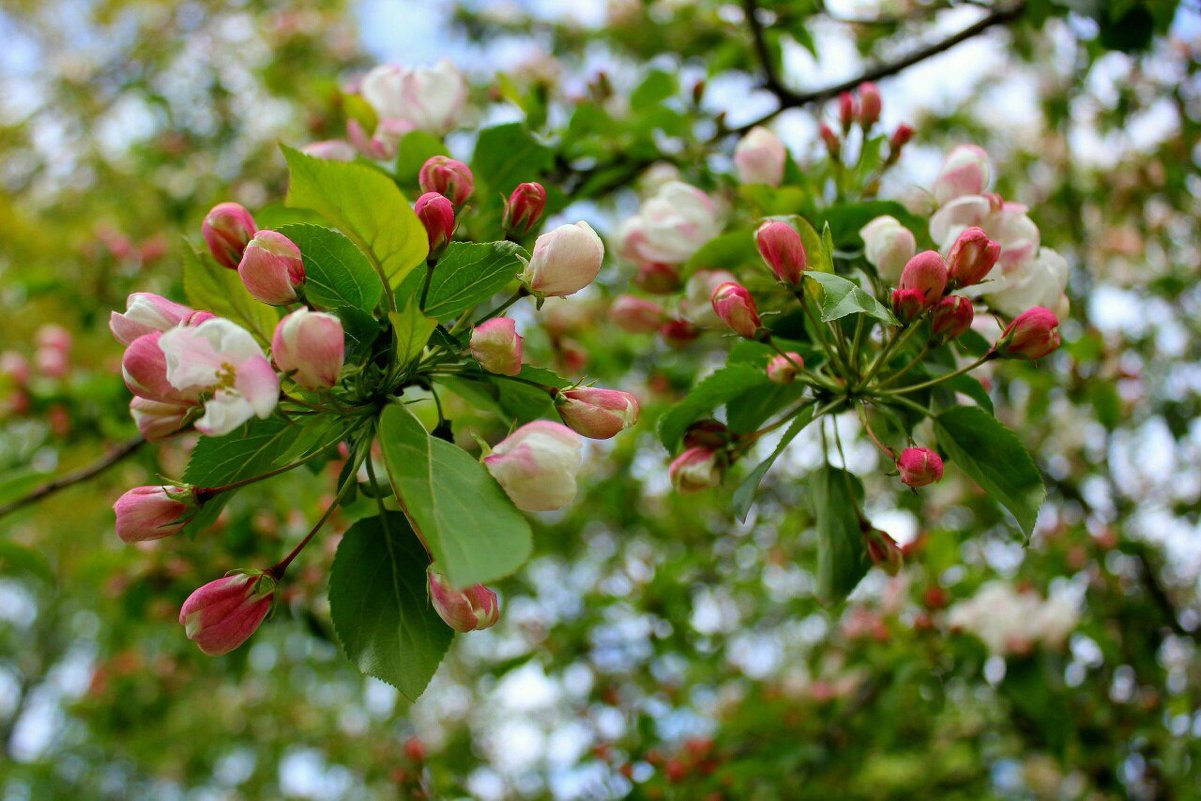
x,y
123,451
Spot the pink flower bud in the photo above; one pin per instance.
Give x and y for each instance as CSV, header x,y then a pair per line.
x,y
833,143
908,304
157,420
678,333
783,369
271,268
151,513
781,247
146,312
536,465
447,177
900,138
888,245
869,104
760,157
952,316
597,413
524,208
965,172
52,362
223,614
144,366
564,260
437,214
53,337
695,469
927,273
227,229
311,347
736,308
1032,334
496,345
919,467
476,607
972,257
846,110
707,434
884,551
15,366
636,315
657,278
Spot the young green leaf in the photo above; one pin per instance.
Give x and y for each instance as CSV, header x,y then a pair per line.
x,y
841,297
365,204
380,606
474,531
211,287
336,273
412,330
994,458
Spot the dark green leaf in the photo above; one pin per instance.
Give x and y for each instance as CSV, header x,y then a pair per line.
x,y
994,458
379,604
336,271
505,155
842,559
468,274
744,496
416,147
718,388
412,330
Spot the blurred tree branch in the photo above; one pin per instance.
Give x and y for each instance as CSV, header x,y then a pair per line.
x,y
122,451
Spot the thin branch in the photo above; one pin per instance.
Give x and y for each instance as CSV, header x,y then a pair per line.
x,y
123,451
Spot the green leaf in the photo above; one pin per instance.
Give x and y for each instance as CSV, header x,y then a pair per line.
x,y
842,559
728,251
841,297
744,496
505,155
416,147
468,274
17,559
846,221
412,330
656,87
473,530
994,458
365,204
214,288
718,388
336,273
827,259
380,607
970,386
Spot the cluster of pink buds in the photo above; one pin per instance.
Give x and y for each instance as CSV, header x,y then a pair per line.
x,y
862,109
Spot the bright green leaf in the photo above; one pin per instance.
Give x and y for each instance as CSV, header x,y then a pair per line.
x,y
841,297
718,388
336,271
468,274
412,330
214,288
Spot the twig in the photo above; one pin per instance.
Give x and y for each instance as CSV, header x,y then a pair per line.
x,y
70,479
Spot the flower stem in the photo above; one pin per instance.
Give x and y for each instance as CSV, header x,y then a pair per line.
x,y
936,380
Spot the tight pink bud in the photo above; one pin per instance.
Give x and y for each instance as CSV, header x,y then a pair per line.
x,y
476,607
736,308
151,513
919,467
884,551
927,273
972,257
900,138
678,333
311,346
227,229
1032,335
157,420
869,104
760,157
536,465
598,413
846,110
657,278
496,345
524,208
271,268
908,304
636,315
145,313
447,177
783,369
223,614
781,247
437,214
695,469
952,316
833,143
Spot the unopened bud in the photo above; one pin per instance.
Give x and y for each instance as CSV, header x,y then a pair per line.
x,y
636,315
927,273
783,369
736,308
781,247
884,551
227,229
1032,334
524,208
536,465
473,608
919,467
833,143
846,110
597,413
695,469
146,312
496,345
908,304
311,346
896,143
869,104
272,268
437,214
151,513
657,278
223,614
156,420
448,177
760,157
951,318
972,257
708,434
564,260
678,333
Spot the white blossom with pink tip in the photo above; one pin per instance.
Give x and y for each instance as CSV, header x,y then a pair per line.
x,y
536,465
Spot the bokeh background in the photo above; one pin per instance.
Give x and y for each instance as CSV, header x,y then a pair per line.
x,y
654,647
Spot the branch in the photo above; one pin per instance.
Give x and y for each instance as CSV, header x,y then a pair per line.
x,y
790,99
124,450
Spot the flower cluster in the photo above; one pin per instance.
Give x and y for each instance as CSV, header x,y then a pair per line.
x,y
1013,621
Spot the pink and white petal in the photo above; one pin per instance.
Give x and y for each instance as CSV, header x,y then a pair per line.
x,y
223,413
258,384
